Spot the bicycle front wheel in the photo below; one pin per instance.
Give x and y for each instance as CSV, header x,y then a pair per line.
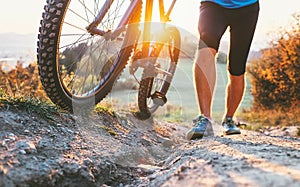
x,y
153,89
76,67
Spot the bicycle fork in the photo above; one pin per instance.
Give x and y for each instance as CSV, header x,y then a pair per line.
x,y
147,57
151,69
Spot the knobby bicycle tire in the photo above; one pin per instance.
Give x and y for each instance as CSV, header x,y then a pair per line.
x,y
150,84
64,68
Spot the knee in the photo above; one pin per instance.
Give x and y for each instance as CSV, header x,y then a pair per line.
x,y
236,70
237,78
207,39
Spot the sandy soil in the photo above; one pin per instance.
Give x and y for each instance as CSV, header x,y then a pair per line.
x,y
118,150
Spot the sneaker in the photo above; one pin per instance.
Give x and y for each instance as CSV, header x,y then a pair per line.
x,y
230,126
202,126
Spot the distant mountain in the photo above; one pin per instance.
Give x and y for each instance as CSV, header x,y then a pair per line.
x,y
17,47
12,42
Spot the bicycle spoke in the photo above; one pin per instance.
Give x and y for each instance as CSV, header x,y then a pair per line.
x,y
74,26
86,8
86,12
76,42
79,15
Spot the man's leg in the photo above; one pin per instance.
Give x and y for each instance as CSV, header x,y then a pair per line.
x,y
235,92
242,24
212,25
205,79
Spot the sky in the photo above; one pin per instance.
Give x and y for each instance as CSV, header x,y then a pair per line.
x,y
23,16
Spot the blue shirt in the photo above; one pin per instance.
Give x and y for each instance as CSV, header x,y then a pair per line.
x,y
232,3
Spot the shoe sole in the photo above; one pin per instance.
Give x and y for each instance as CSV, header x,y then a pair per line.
x,y
231,133
195,136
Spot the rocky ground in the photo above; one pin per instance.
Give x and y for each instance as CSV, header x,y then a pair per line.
x,y
116,149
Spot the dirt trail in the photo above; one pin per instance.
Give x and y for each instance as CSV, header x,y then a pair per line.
x,y
118,150
250,159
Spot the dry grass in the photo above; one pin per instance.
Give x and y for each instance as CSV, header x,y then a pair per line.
x,y
22,81
262,119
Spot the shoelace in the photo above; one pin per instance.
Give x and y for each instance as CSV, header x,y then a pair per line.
x,y
199,121
230,123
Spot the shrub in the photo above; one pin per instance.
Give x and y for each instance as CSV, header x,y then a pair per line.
x,y
275,75
22,81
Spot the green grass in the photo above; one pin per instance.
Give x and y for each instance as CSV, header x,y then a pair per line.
x,y
43,109
104,106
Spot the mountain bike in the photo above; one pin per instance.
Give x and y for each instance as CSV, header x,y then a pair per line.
x,y
84,45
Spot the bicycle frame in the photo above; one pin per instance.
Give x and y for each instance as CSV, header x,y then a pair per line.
x,y
164,17
148,46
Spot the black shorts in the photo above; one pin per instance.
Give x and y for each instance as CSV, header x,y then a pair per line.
x,y
213,22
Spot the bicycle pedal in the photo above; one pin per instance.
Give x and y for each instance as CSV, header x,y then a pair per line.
x,y
159,98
